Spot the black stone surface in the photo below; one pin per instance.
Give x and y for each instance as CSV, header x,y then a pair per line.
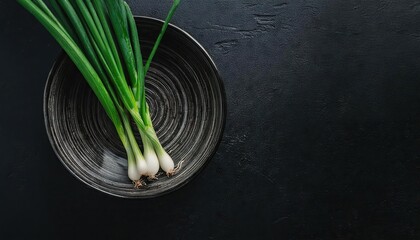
x,y
321,142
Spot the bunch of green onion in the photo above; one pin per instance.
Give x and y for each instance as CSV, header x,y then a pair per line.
x,y
100,37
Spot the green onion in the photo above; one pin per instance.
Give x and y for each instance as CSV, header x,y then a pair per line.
x,y
99,36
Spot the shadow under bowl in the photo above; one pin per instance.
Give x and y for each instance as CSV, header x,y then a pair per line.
x,y
188,108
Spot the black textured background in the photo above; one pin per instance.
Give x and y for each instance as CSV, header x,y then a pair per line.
x,y
322,138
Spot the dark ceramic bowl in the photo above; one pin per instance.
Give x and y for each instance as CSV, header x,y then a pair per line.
x,y
188,107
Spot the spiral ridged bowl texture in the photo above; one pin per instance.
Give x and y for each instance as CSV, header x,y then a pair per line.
x,y
187,103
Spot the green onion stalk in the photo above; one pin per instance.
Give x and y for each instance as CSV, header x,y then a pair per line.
x,y
165,161
127,38
155,154
101,38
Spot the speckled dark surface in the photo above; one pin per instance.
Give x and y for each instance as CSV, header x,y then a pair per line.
x,y
322,139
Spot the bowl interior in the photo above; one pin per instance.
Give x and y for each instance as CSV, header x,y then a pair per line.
x,y
187,104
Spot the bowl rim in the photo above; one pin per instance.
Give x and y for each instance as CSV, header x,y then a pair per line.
x,y
62,55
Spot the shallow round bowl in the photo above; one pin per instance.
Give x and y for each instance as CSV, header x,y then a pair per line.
x,y
187,104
